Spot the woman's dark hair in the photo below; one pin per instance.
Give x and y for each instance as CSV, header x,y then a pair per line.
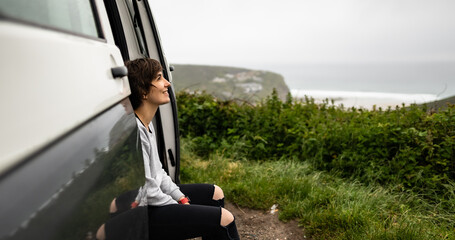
x,y
141,72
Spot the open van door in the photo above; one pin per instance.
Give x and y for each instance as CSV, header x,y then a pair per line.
x,y
136,35
167,119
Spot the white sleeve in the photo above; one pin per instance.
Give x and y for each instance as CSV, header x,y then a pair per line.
x,y
169,187
155,196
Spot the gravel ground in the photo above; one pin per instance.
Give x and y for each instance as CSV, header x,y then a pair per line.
x,y
262,225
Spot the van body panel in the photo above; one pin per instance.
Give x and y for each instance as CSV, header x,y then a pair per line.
x,y
74,71
64,192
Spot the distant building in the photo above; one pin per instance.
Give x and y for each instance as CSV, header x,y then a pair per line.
x,y
230,76
219,80
250,87
243,76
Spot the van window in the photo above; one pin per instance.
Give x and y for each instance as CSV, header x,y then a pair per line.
x,y
134,14
69,15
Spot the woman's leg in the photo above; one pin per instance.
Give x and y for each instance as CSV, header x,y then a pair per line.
x,y
228,229
212,195
131,224
204,194
201,194
189,221
171,222
209,222
122,203
118,205
218,196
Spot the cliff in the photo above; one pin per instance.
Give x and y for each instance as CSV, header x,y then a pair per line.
x,y
228,83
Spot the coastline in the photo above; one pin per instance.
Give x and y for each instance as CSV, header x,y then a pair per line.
x,y
366,100
441,104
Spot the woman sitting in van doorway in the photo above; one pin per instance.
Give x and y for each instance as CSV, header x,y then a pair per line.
x,y
171,214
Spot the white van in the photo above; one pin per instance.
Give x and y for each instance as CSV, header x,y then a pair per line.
x,y
69,141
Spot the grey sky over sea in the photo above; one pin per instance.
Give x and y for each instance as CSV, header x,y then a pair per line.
x,y
366,44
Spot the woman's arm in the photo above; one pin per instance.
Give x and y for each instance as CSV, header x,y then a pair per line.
x,y
169,187
152,187
159,188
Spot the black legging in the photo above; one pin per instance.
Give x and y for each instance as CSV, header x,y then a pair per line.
x,y
201,218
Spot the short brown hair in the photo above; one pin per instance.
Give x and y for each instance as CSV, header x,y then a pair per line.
x,y
141,73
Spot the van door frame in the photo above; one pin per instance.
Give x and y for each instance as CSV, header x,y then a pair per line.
x,y
167,75
167,156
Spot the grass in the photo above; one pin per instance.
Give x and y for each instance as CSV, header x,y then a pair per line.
x,y
326,206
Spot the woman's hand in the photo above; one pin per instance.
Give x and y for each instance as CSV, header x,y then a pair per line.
x,y
134,204
184,200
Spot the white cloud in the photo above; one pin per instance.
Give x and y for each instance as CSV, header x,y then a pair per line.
x,y
237,32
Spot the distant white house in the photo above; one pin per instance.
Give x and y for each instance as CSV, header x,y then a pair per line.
x,y
243,76
250,87
230,76
219,80
257,79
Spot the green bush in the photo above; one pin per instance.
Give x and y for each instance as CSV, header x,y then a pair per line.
x,y
404,147
326,206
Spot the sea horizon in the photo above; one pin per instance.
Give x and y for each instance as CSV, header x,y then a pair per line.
x,y
362,99
365,85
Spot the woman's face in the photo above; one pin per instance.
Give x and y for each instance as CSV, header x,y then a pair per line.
x,y
158,93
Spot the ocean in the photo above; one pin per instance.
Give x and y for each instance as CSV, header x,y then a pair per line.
x,y
365,85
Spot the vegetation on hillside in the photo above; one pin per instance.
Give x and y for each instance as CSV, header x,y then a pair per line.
x,y
404,147
441,104
229,83
345,173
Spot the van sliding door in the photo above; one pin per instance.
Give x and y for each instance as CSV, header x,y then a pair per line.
x,y
166,118
68,134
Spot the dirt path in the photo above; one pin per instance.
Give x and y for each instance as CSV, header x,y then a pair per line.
x,y
261,225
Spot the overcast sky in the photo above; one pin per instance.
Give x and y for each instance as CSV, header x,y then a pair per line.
x,y
262,32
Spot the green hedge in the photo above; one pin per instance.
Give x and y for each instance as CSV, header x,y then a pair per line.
x,y
404,147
